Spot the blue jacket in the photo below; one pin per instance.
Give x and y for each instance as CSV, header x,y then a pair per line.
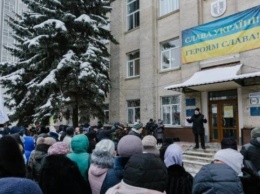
x,y
114,175
217,179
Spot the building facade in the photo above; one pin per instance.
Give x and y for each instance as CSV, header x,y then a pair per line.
x,y
176,55
8,8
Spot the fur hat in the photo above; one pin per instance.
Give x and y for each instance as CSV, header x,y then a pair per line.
x,y
255,133
47,140
138,125
103,154
232,158
129,145
58,148
173,155
149,140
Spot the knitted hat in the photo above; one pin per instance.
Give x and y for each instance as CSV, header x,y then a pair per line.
x,y
173,155
149,140
46,140
232,158
138,125
103,154
129,145
58,148
146,171
255,133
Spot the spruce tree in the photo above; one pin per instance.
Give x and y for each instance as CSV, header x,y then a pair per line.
x,y
63,60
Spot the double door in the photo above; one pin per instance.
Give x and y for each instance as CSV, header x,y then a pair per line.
x,y
223,119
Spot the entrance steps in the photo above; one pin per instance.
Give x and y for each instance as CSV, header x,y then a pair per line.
x,y
194,159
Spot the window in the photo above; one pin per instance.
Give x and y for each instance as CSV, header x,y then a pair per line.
x,y
170,54
133,110
106,113
132,14
133,64
171,110
167,6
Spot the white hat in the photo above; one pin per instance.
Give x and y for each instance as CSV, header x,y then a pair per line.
x,y
232,158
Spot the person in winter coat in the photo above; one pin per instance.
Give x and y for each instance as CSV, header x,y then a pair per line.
x,y
79,146
166,142
11,158
127,146
198,128
179,180
222,176
217,179
159,131
251,151
137,129
29,146
37,156
102,159
60,175
144,174
14,185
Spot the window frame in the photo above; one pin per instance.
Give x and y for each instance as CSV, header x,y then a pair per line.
x,y
135,117
168,7
170,112
169,51
134,63
134,13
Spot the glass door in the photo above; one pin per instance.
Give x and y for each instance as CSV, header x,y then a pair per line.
x,y
223,119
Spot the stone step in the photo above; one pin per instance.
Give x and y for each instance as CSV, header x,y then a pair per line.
x,y
193,166
200,154
197,158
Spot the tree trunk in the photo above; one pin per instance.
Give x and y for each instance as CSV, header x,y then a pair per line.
x,y
75,116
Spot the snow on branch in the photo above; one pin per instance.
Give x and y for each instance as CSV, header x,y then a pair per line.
x,y
50,22
67,58
49,79
13,77
35,41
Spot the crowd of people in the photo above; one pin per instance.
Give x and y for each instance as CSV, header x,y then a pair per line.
x,y
119,161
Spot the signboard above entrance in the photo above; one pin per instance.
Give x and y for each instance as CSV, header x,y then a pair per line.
x,y
232,34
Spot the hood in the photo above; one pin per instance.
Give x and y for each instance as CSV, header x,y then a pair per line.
x,y
256,142
123,188
29,143
79,143
97,171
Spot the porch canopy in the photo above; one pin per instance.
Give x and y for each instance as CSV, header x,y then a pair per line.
x,y
220,78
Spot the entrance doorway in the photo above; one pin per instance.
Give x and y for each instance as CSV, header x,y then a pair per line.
x,y
223,115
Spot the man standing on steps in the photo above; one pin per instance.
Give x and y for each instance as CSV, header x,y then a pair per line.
x,y
198,129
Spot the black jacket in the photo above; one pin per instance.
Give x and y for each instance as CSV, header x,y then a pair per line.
x,y
179,181
251,152
197,120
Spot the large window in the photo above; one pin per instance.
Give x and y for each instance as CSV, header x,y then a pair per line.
x,y
133,110
133,64
171,110
170,54
132,14
167,6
